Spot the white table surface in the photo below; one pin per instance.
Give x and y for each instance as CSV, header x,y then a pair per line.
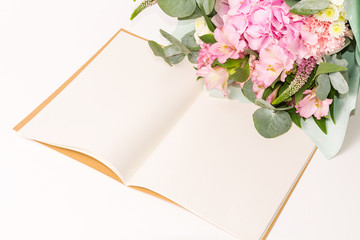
x,y
46,195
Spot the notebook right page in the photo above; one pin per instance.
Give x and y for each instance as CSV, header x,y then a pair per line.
x,y
214,163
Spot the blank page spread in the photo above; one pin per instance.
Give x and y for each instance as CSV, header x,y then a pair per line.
x,y
119,108
214,163
155,128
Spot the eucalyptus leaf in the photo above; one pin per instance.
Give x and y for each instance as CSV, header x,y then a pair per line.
x,y
193,57
189,41
177,8
176,42
158,51
207,5
271,123
264,104
248,91
174,54
309,7
339,83
196,14
323,86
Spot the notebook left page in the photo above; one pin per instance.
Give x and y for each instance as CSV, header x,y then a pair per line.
x,y
119,108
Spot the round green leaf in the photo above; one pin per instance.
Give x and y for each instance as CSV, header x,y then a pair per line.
x,y
309,7
323,86
178,8
339,83
271,123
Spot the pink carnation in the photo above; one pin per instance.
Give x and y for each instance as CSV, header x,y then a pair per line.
x,y
320,41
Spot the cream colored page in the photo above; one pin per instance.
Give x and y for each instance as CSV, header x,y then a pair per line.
x,y
214,163
120,107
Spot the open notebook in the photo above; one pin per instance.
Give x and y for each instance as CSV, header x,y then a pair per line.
x,y
131,116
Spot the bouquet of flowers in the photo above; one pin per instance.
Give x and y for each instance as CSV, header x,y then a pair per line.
x,y
296,59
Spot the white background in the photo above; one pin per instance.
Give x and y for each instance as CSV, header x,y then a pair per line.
x,y
45,195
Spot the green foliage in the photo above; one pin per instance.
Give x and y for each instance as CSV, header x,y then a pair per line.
x,y
178,8
174,54
321,124
326,67
323,86
196,14
145,4
295,117
208,38
308,7
331,107
176,42
270,123
291,3
189,41
242,73
207,5
208,21
248,91
158,51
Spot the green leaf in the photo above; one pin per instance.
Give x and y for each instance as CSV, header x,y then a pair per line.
x,y
178,8
158,51
208,21
241,73
271,123
193,57
248,91
230,63
321,124
264,104
309,7
176,42
326,67
189,41
174,54
295,117
251,52
208,38
291,3
207,5
145,4
196,14
331,107
339,83
323,86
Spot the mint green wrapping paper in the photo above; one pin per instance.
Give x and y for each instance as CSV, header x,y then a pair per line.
x,y
344,105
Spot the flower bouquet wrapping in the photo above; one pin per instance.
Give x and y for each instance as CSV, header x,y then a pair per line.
x,y
296,59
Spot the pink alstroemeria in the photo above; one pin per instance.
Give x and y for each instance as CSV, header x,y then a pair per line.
x,y
215,78
272,63
228,44
311,105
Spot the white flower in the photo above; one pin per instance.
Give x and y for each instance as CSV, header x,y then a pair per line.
x,y
201,28
337,2
329,14
337,29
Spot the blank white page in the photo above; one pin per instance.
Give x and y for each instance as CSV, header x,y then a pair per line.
x,y
214,163
120,107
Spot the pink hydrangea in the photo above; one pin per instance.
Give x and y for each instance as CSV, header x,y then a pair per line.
x,y
320,42
205,57
311,105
